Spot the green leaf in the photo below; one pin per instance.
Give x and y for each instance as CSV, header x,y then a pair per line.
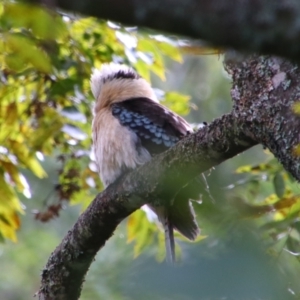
x,y
63,86
43,134
253,188
143,69
296,108
9,207
14,62
27,159
11,113
263,167
1,238
140,230
244,169
8,201
177,102
279,184
134,220
147,45
44,24
28,52
158,67
171,51
13,173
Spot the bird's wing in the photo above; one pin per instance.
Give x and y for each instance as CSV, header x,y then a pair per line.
x,y
157,127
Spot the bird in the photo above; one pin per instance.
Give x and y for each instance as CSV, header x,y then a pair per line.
x,y
129,128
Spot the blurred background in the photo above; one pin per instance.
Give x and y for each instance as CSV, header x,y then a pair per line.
x,y
246,251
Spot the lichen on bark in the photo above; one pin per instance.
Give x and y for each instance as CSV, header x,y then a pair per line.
x,y
264,91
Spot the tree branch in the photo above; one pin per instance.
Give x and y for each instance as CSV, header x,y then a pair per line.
x,y
264,26
264,92
64,273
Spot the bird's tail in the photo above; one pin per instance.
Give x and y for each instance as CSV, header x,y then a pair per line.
x,y
167,223
169,240
180,216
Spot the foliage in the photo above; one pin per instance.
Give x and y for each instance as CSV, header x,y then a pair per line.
x,y
272,195
46,110
46,61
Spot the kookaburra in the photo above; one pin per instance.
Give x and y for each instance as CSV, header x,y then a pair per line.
x,y
129,128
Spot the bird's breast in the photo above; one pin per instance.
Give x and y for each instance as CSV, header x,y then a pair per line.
x,y
117,148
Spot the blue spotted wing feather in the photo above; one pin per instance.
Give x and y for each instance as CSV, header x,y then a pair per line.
x,y
157,127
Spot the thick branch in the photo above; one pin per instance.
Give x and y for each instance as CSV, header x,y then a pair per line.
x,y
264,92
264,26
64,273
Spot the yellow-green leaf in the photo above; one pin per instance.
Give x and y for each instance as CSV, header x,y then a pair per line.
x,y
11,113
42,134
171,51
15,62
296,150
279,184
195,49
158,68
8,201
140,230
13,173
177,102
9,209
44,24
27,159
133,223
244,169
146,45
143,70
296,108
28,52
8,230
36,167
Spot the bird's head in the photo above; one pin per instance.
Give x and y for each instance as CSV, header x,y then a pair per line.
x,y
114,83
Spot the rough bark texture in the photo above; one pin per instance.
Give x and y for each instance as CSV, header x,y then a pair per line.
x,y
265,26
64,273
264,91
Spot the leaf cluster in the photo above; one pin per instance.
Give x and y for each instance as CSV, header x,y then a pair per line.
x,y
46,59
271,195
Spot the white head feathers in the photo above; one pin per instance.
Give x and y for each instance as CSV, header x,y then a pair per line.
x,y
114,82
109,72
